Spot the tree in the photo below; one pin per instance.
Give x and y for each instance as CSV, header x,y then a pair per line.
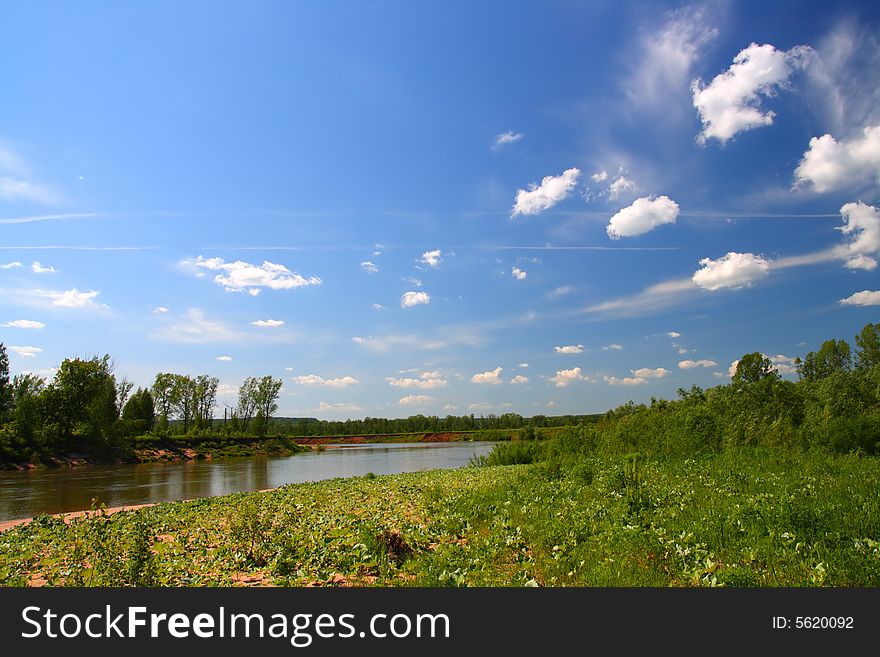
x,y
139,412
82,398
247,402
833,356
163,396
5,385
267,391
184,395
868,342
754,367
206,398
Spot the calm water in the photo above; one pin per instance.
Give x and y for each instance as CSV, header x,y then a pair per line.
x,y
25,494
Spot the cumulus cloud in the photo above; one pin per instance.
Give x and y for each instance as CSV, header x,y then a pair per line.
x,y
519,379
566,377
72,298
626,381
431,258
644,215
829,165
862,228
11,265
619,186
612,347
863,298
410,299
649,373
25,352
315,380
734,270
425,381
551,191
731,103
24,324
242,276
415,400
224,359
492,376
506,138
269,323
691,364
518,274
37,268
369,267
569,349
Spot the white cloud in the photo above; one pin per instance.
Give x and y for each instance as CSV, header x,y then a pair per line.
x,y
339,407
431,258
415,400
565,377
626,381
523,365
315,380
673,334
24,324
413,281
560,291
600,176
731,103
195,328
551,191
612,347
518,274
732,369
649,373
269,323
830,165
569,349
425,381
410,299
358,339
863,298
644,215
11,265
72,298
37,268
734,270
378,307
224,359
12,189
691,364
620,185
519,379
492,376
654,297
665,57
506,138
862,227
242,276
25,352
369,267
160,309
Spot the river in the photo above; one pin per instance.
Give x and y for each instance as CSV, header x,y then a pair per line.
x,y
26,494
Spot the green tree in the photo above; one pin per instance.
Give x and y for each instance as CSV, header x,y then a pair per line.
x,y
754,367
247,402
868,342
82,398
139,412
5,385
833,356
267,390
164,397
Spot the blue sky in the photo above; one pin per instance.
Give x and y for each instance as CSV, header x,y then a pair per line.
x,y
445,208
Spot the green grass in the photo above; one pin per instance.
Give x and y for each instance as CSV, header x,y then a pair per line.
x,y
751,518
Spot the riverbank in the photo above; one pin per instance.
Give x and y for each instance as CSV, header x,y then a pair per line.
x,y
750,518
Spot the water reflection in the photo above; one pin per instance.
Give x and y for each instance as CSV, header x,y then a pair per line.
x,y
24,494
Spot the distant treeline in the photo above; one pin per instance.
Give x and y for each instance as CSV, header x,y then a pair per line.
x,y
835,403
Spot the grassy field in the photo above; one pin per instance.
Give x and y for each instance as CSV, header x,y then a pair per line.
x,y
751,518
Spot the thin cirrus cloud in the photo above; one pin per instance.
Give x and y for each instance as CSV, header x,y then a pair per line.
x,y
551,191
24,324
196,328
863,298
268,323
315,380
410,299
829,165
11,265
642,216
731,103
492,377
242,276
569,349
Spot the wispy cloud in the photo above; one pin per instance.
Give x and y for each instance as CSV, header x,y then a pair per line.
x,y
24,324
415,400
506,138
25,351
196,328
425,381
269,323
315,380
